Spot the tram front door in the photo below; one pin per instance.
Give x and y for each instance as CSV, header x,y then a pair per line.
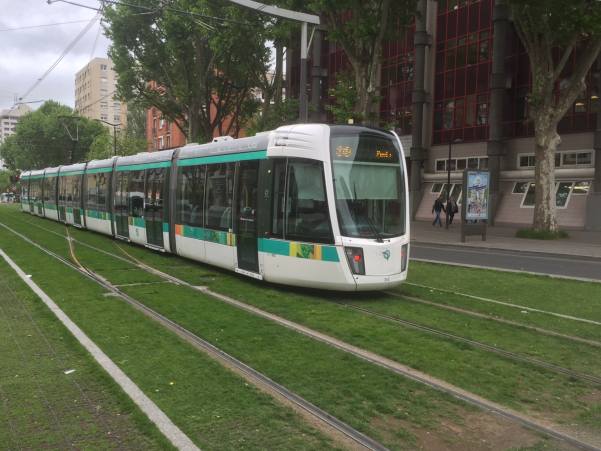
x,y
153,206
246,199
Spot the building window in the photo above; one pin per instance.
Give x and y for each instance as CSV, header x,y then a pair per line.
x,y
563,191
581,188
459,164
160,142
562,159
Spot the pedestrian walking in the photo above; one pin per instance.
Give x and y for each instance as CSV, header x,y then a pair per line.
x,y
436,209
451,209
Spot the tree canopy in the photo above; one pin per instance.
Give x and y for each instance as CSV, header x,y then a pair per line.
x,y
50,136
203,57
563,40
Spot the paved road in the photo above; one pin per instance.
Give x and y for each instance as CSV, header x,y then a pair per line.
x,y
552,264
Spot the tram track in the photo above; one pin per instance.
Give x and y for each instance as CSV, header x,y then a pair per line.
x,y
337,429
497,319
471,398
476,344
136,262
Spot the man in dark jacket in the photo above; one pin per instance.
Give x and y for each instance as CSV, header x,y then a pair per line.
x,y
451,208
436,209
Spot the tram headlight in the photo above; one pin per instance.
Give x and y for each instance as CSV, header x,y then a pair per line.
x,y
354,255
404,257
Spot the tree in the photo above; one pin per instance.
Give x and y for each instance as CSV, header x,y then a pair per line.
x,y
360,27
554,32
102,146
203,73
50,136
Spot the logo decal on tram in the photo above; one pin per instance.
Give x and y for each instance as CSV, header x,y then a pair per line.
x,y
386,254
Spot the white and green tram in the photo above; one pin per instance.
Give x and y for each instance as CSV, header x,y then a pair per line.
x,y
309,205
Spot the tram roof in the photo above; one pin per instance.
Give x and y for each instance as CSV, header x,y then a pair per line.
x,y
221,146
52,170
106,163
145,158
73,169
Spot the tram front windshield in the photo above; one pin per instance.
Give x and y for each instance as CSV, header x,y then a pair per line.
x,y
368,185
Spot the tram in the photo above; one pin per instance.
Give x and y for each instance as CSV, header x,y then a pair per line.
x,y
308,205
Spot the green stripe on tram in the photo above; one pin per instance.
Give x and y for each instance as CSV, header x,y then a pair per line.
x,y
95,214
48,206
69,173
227,158
202,234
99,170
299,250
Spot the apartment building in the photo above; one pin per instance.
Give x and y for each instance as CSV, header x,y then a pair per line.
x,y
95,89
8,122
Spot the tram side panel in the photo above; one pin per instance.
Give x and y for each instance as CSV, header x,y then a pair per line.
x,y
189,212
49,197
296,240
96,200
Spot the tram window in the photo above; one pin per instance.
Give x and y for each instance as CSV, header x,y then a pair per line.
x,y
102,181
220,187
92,192
190,199
76,181
307,214
279,197
136,193
48,189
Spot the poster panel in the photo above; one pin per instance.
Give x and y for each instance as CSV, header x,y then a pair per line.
x,y
477,191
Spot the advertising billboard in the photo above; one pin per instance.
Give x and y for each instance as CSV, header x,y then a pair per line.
x,y
477,190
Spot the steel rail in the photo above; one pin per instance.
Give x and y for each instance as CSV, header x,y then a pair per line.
x,y
393,366
133,261
199,343
477,344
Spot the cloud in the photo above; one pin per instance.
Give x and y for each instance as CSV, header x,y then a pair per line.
x,y
26,54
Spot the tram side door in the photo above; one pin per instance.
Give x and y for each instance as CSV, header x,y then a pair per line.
x,y
120,205
153,206
246,216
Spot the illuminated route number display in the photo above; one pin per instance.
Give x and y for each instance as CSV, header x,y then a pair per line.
x,y
367,148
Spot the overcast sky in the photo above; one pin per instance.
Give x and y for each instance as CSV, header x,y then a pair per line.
x,y
27,53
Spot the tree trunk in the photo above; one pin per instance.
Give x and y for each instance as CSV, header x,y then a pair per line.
x,y
546,142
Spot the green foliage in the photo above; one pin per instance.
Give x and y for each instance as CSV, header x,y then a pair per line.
x,y
6,183
204,71
279,114
343,99
43,138
104,147
541,234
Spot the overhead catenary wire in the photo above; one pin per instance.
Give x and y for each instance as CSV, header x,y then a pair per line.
x,y
61,57
31,27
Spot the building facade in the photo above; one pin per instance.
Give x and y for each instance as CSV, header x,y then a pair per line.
x,y
95,89
458,78
160,133
8,122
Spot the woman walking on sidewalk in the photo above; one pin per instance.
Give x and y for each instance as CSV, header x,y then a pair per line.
x,y
436,209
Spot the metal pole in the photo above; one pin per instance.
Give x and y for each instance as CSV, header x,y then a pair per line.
x,y
303,113
448,183
114,140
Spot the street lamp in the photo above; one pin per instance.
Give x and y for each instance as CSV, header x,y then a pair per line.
x,y
455,141
114,133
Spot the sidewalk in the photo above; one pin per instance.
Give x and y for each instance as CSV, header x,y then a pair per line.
x,y
580,243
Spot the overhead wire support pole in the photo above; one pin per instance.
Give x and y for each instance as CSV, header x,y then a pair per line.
x,y
305,19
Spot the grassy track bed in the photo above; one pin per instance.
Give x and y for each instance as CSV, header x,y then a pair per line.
x,y
566,297
381,404
518,385
215,408
42,407
490,376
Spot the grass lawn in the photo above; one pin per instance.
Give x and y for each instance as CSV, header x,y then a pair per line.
x,y
348,388
42,407
214,407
